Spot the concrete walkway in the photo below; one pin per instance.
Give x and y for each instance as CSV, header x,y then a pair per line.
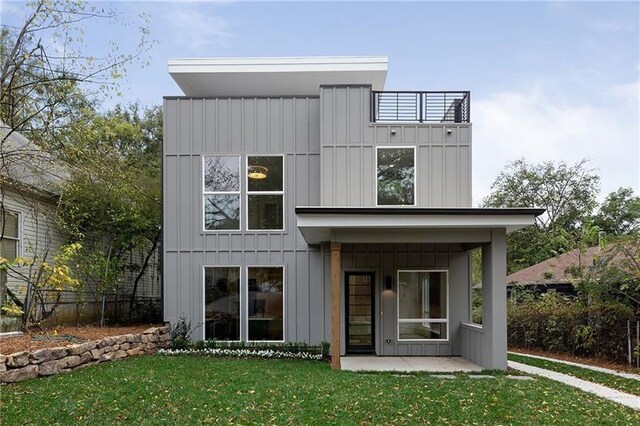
x,y
623,398
588,367
431,364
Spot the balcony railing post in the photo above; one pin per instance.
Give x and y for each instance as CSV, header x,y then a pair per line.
x,y
468,107
421,113
372,106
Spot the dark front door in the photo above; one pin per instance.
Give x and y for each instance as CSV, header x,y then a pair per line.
x,y
359,311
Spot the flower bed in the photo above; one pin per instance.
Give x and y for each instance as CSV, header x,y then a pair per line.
x,y
243,353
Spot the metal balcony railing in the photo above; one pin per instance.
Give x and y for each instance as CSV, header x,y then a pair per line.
x,y
421,107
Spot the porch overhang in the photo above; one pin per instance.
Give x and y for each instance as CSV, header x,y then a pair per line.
x,y
409,224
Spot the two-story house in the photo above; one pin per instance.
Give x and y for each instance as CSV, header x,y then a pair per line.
x,y
303,202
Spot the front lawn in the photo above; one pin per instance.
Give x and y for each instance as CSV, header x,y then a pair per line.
x,y
610,380
193,390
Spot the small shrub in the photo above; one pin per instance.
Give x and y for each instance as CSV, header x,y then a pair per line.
x,y
181,334
325,347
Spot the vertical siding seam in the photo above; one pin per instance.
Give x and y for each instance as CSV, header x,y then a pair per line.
x,y
243,142
458,171
334,118
430,184
281,129
255,124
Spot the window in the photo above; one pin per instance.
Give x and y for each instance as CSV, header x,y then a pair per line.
x,y
396,176
221,194
222,303
265,193
266,314
9,235
423,305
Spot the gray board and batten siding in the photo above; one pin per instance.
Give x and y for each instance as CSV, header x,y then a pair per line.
x,y
328,143
197,127
349,140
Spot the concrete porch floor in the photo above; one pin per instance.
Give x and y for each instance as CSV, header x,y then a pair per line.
x,y
433,364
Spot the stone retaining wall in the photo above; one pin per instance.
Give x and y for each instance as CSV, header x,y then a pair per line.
x,y
26,365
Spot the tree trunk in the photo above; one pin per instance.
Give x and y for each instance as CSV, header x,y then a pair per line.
x,y
142,271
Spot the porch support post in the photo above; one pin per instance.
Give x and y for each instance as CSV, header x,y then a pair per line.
x,y
494,301
335,305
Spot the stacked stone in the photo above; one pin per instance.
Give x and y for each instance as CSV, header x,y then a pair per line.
x,y
26,365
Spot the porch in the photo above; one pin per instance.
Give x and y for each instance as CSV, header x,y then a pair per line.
x,y
439,364
399,279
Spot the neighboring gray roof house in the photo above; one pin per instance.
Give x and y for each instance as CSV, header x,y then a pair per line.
x,y
305,202
556,273
27,166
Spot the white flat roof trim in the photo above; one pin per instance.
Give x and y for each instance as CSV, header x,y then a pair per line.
x,y
413,221
320,63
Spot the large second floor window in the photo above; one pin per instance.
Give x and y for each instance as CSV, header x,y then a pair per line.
x,y
265,193
221,193
396,172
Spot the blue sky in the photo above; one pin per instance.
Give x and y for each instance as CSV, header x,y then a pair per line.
x,y
549,80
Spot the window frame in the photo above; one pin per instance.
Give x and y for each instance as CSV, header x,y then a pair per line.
x,y
205,193
415,175
416,320
204,298
19,239
247,193
284,304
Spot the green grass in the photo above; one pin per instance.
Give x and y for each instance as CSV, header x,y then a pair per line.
x,y
610,380
192,390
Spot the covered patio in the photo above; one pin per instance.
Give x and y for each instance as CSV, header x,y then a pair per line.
x,y
444,238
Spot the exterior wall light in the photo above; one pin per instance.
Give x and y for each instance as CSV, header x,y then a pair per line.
x,y
257,172
388,282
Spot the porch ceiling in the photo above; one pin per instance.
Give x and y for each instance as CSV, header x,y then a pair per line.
x,y
401,225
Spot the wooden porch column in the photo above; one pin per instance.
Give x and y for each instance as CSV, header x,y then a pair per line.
x,y
335,305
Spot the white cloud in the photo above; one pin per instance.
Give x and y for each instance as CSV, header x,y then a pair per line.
x,y
608,25
629,92
537,125
196,27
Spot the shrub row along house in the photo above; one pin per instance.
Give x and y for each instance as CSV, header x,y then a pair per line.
x,y
302,202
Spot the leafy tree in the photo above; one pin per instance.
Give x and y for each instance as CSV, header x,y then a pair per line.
x,y
619,214
567,193
112,200
44,89
45,281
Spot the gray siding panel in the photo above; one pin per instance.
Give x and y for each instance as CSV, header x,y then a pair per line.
x,y
348,149
196,127
329,148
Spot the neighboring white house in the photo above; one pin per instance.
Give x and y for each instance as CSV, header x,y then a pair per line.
x,y
31,182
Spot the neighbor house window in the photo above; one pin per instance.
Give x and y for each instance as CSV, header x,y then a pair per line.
x,y
221,195
222,303
265,193
396,173
266,297
423,312
9,235
9,244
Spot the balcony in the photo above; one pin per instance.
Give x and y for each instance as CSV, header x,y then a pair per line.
x,y
421,107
